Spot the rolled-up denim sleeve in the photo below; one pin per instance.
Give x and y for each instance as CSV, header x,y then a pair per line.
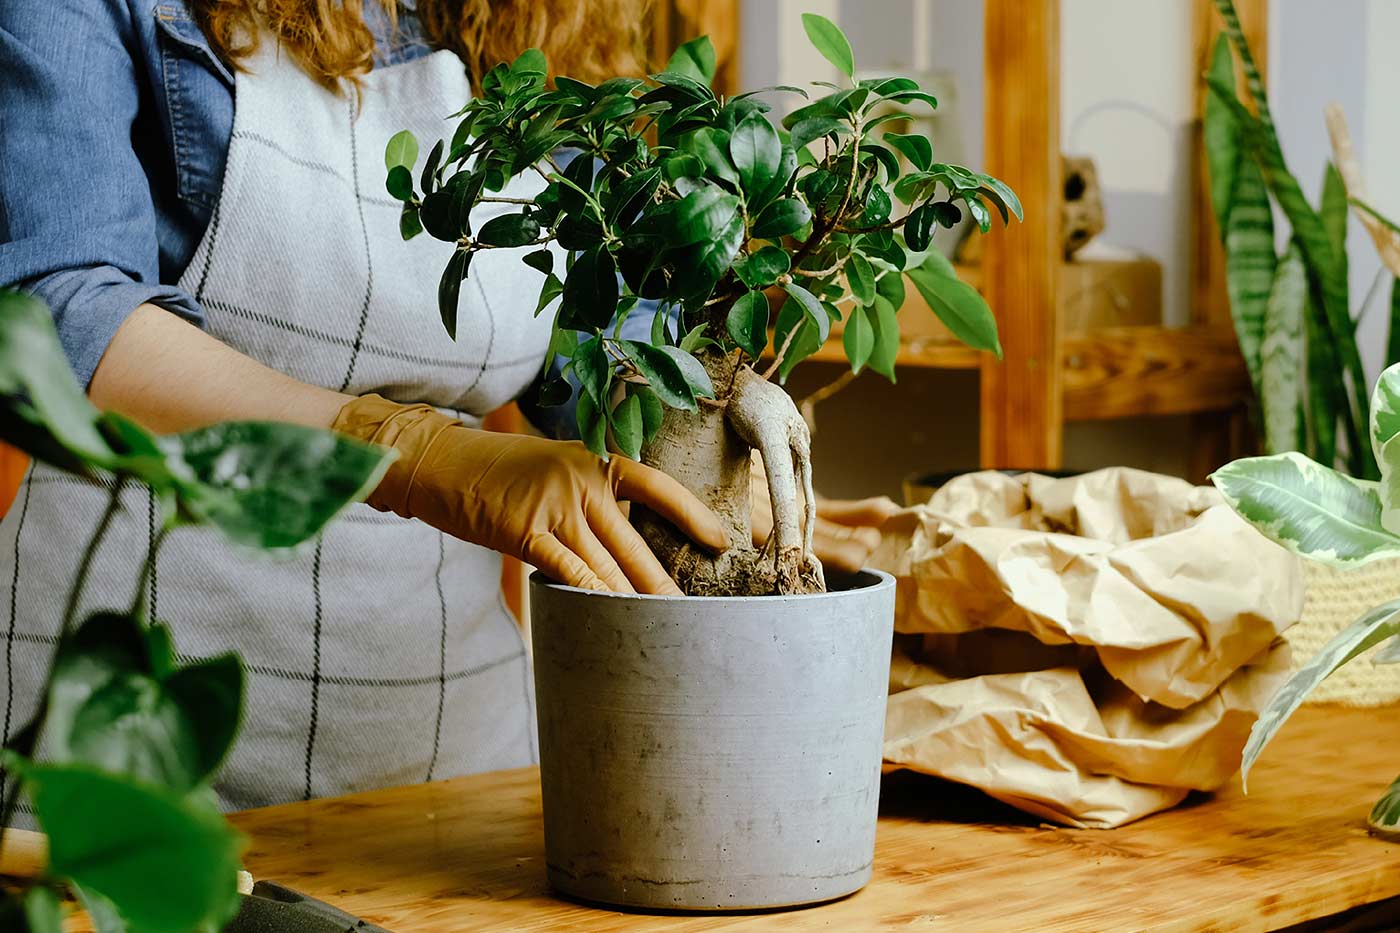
x,y
77,218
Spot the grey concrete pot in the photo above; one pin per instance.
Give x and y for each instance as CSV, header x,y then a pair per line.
x,y
711,753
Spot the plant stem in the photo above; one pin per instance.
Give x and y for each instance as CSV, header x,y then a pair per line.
x,y
778,357
148,568
85,566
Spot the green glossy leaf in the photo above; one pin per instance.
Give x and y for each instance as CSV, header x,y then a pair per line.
x,y
757,154
167,862
762,267
861,279
813,309
530,62
210,695
696,378
652,410
701,215
402,150
780,219
660,334
627,427
270,484
859,338
957,304
1371,629
541,260
700,266
884,326
509,230
1281,354
747,323
594,369
694,59
831,42
918,228
410,225
663,371
550,290
1385,815
399,183
815,127
915,146
590,292
428,180
711,146
1221,135
1311,510
795,337
695,339
592,424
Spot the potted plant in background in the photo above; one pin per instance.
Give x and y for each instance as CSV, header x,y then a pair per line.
x,y
1292,316
720,752
118,759
1326,516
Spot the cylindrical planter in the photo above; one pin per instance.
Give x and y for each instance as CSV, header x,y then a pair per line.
x,y
711,753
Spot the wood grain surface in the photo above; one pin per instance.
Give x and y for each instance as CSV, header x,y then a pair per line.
x,y
467,854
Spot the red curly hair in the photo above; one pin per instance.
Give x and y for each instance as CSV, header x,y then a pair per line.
x,y
591,40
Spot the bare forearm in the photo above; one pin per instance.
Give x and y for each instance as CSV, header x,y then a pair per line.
x,y
169,375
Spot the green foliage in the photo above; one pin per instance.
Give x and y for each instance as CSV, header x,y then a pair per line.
x,y
699,202
1280,360
1385,815
1247,167
1324,515
130,737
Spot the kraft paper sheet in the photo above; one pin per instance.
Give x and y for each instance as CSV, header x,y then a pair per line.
x,y
1089,649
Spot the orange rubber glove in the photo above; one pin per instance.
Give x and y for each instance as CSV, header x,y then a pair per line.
x,y
553,504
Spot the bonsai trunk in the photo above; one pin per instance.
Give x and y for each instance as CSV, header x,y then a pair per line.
x,y
708,452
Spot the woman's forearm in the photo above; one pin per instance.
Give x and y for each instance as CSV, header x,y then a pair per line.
x,y
169,375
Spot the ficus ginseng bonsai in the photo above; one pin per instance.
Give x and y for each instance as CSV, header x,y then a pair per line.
x,y
698,202
118,758
1323,515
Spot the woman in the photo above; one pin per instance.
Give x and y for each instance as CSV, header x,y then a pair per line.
x,y
196,190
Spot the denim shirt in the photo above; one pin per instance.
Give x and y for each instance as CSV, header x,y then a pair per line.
x,y
115,120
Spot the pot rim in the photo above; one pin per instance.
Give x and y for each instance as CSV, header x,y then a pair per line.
x,y
878,580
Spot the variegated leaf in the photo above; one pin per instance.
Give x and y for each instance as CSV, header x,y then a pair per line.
x,y
1281,356
1313,511
1371,629
1390,654
1385,815
1249,260
1385,428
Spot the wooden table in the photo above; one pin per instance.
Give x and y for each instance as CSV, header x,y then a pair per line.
x,y
468,854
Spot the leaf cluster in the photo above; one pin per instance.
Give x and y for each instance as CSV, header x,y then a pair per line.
x,y
699,202
131,737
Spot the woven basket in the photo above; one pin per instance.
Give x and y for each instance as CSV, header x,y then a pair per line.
x,y
1335,599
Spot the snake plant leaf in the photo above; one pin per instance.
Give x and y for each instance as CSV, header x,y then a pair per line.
x,y
1250,262
1371,629
1326,389
1222,135
1311,510
113,836
1281,354
271,485
1333,211
1385,429
1385,815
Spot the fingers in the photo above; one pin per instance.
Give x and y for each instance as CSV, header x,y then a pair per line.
x,y
872,512
631,553
842,548
561,564
669,499
579,538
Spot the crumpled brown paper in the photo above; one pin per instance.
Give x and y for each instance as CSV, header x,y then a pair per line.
x,y
1088,649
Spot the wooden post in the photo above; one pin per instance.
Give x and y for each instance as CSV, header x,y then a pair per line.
x,y
1022,411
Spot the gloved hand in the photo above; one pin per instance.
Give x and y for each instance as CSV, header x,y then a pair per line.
x,y
549,503
847,532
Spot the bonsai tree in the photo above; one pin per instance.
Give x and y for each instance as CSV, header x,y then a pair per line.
x,y
736,228
118,758
1323,515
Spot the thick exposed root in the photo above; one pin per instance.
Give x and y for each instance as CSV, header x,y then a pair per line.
x,y
764,416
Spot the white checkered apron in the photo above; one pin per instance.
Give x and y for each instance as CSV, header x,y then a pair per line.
x,y
381,654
